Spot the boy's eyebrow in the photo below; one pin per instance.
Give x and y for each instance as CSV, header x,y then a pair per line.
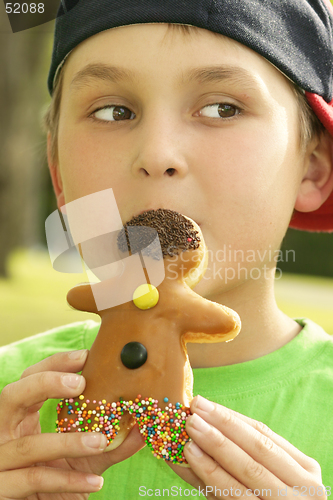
x,y
209,74
101,71
216,74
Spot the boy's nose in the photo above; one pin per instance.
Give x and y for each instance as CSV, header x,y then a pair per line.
x,y
156,168
161,149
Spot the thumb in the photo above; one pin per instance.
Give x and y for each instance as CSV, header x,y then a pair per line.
x,y
187,474
131,445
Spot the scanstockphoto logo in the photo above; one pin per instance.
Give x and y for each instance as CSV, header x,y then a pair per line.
x,y
24,15
227,254
84,237
229,264
203,492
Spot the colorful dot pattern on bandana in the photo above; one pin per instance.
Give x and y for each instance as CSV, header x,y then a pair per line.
x,y
163,430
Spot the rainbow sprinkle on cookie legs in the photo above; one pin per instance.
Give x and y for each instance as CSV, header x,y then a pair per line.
x,y
163,429
86,416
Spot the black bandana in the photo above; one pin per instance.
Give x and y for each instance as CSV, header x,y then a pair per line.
x,y
294,35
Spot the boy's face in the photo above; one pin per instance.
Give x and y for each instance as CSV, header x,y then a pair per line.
x,y
202,125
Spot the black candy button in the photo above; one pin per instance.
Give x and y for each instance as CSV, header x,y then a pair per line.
x,y
133,355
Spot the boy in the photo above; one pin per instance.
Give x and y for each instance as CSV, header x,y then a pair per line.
x,y
213,127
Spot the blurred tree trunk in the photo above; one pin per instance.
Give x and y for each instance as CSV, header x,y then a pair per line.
x,y
22,145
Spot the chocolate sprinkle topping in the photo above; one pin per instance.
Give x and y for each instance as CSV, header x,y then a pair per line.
x,y
176,233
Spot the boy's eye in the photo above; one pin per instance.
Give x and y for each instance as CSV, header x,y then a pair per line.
x,y
219,110
113,113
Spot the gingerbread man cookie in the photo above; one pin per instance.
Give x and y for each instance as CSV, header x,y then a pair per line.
x,y
138,368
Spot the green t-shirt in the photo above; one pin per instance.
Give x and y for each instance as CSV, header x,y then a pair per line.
x,y
290,390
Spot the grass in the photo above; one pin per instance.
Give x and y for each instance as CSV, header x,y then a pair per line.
x,y
34,298
307,296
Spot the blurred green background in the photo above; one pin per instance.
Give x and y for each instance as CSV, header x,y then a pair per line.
x,y
32,294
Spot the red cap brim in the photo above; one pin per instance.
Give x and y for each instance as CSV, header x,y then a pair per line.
x,y
321,219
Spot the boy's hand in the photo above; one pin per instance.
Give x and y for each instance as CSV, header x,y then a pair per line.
x,y
240,456
35,466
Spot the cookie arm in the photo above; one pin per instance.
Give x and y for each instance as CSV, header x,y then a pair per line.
x,y
81,297
207,321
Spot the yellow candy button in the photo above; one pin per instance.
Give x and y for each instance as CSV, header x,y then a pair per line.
x,y
145,296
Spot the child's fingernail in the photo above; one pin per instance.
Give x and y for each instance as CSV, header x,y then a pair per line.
x,y
78,354
95,481
198,423
204,404
94,440
72,381
194,449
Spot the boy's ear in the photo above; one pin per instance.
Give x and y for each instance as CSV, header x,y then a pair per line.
x,y
55,174
317,183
